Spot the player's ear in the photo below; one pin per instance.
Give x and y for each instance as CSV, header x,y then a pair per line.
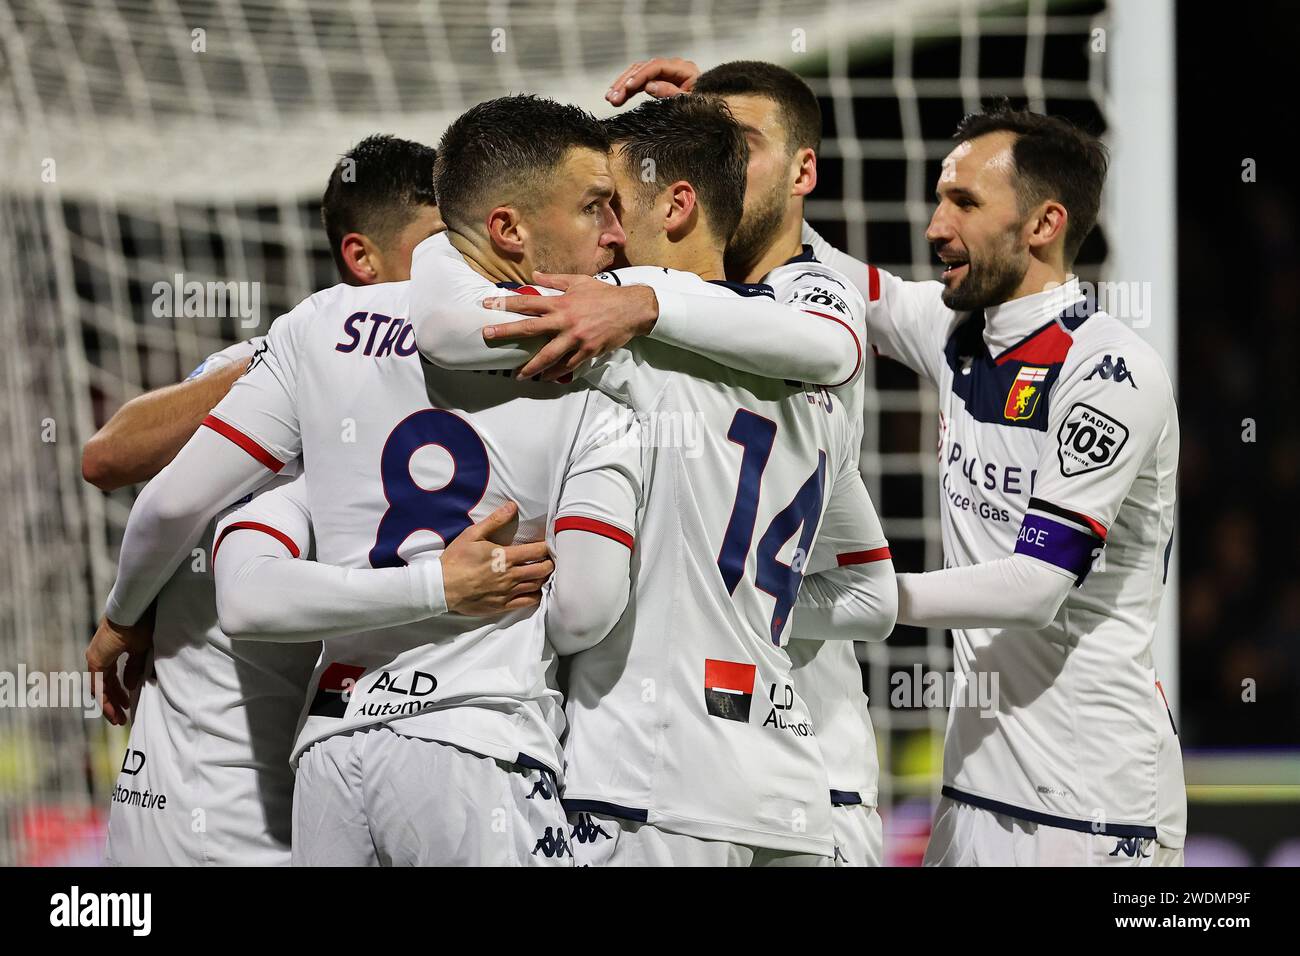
x,y
1047,225
804,168
681,205
360,259
505,230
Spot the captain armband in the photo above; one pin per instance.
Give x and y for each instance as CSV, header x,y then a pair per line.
x,y
1061,538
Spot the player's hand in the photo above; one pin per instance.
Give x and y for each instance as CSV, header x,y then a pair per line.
x,y
481,578
110,642
591,319
660,77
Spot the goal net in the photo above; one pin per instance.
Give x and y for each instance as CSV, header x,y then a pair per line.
x,y
152,145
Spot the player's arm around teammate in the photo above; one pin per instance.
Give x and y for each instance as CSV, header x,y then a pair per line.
x,y
267,589
592,318
909,321
900,313
849,590
371,243
147,432
141,438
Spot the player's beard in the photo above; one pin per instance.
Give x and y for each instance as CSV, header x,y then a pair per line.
x,y
547,259
758,227
991,278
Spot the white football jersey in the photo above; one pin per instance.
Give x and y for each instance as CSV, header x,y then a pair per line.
x,y
206,779
827,673
829,677
400,457
686,715
1058,440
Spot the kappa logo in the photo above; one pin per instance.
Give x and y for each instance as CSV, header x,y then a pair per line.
x,y
728,689
1022,399
541,787
259,356
587,830
552,844
1130,847
1109,370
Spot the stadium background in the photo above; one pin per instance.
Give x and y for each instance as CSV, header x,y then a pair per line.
x,y
135,148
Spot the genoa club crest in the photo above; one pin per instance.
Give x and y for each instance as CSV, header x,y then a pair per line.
x,y
1022,400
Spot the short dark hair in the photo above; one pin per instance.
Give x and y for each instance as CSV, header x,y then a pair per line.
x,y
691,138
505,150
1054,160
801,115
375,190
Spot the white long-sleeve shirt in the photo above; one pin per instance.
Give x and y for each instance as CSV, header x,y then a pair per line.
x,y
686,716
1058,453
751,333
400,459
269,590
213,727
852,602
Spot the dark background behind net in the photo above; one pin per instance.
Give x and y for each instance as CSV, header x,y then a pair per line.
x,y
1238,537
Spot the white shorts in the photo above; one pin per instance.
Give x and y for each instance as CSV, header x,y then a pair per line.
x,y
374,797
964,835
1167,856
601,840
859,835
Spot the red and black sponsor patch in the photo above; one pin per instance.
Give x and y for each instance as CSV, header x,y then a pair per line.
x,y
728,689
338,681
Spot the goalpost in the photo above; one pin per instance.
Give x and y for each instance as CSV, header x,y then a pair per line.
x,y
142,142
1142,220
